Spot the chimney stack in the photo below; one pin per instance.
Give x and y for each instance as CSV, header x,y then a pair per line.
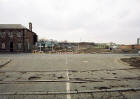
x,y
30,26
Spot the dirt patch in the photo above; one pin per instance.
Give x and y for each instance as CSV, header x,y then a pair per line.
x,y
114,73
132,78
133,61
23,72
83,86
73,71
34,78
85,79
60,77
93,50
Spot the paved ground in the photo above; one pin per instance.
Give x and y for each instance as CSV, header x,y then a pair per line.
x,y
4,61
67,76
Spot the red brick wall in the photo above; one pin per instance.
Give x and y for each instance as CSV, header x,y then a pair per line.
x,y
27,36
15,39
28,41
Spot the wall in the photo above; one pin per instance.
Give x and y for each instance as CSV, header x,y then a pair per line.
x,y
130,47
26,40
137,47
7,39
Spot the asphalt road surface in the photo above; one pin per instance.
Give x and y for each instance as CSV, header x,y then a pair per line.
x,y
68,76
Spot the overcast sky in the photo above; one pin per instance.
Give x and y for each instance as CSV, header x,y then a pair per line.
x,y
76,20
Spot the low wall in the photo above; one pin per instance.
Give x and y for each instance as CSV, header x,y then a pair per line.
x,y
130,47
137,47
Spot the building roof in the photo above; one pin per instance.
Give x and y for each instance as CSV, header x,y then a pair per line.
x,y
12,26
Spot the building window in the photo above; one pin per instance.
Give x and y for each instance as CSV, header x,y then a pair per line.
x,y
3,34
19,34
19,45
11,34
3,45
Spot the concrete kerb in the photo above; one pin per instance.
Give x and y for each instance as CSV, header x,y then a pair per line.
x,y
6,61
71,92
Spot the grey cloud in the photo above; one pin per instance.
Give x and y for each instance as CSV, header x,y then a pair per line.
x,y
91,20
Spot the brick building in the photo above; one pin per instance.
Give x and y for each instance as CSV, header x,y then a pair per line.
x,y
17,38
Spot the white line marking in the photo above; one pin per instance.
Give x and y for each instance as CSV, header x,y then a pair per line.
x,y
67,84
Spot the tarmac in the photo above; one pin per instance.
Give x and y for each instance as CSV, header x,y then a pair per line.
x,y
4,61
69,76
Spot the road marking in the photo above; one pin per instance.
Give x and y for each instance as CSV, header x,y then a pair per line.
x,y
67,84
